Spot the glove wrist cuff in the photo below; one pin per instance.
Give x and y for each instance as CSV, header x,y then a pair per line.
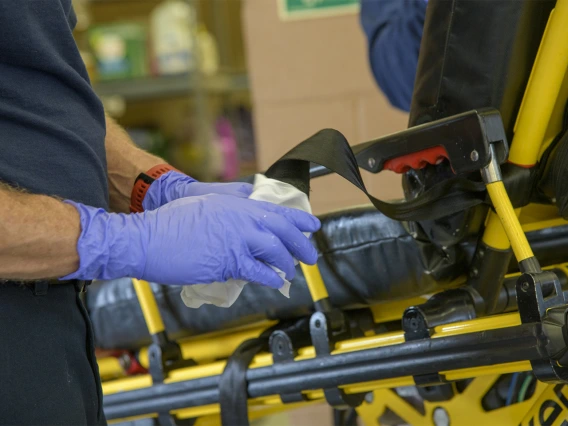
x,y
143,182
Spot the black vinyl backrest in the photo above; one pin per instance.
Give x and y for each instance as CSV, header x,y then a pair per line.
x,y
474,54
477,53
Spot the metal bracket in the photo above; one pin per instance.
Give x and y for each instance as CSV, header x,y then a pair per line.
x,y
418,323
163,357
540,298
282,348
324,337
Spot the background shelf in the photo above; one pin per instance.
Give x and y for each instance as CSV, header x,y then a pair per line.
x,y
171,86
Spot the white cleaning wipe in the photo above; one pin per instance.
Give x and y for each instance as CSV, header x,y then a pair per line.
x,y
225,294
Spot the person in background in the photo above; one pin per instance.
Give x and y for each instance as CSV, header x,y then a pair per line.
x,y
394,32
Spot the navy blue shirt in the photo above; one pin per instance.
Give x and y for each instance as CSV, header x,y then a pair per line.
x,y
52,125
394,31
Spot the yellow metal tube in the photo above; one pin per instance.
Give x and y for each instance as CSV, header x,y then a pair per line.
x,y
494,235
149,306
314,281
127,384
210,347
513,367
110,368
509,219
538,104
393,310
481,324
542,89
545,224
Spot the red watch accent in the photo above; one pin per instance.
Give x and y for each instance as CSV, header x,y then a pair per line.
x,y
143,182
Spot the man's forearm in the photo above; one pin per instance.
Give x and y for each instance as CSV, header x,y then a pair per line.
x,y
38,236
125,161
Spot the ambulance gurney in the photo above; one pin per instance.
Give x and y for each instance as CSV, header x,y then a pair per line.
x,y
493,345
352,245
459,70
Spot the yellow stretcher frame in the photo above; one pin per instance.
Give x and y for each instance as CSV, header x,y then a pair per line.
x,y
538,121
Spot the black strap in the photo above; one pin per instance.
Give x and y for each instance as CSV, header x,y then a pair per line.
x,y
330,149
233,395
233,386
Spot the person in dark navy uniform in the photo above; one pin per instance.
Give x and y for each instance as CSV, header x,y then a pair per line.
x,y
69,177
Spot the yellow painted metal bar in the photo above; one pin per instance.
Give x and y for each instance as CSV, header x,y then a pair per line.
x,y
362,343
545,224
315,282
542,89
538,213
494,234
481,324
379,384
127,384
538,104
393,310
110,368
513,367
149,306
214,347
509,220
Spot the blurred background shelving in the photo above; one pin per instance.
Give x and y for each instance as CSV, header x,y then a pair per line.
x,y
180,89
145,88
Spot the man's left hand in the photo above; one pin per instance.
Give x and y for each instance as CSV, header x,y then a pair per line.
x,y
174,185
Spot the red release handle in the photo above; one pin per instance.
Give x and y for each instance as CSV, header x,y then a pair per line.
x,y
417,160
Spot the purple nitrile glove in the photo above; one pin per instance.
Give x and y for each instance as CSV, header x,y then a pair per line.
x,y
195,240
173,185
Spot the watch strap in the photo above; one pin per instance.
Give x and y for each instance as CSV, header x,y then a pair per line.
x,y
143,182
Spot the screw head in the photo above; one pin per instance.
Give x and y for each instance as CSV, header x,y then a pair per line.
x,y
525,286
371,162
474,155
318,323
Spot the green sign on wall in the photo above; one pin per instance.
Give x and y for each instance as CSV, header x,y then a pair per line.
x,y
299,9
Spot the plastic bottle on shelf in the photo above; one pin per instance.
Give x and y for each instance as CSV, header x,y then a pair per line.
x,y
173,28
209,53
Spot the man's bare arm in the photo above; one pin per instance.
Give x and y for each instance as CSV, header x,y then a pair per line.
x,y
125,161
38,236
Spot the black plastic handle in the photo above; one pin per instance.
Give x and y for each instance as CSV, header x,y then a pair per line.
x,y
463,139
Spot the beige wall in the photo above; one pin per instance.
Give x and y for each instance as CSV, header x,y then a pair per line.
x,y
311,74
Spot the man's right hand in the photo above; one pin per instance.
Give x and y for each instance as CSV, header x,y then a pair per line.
x,y
195,240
